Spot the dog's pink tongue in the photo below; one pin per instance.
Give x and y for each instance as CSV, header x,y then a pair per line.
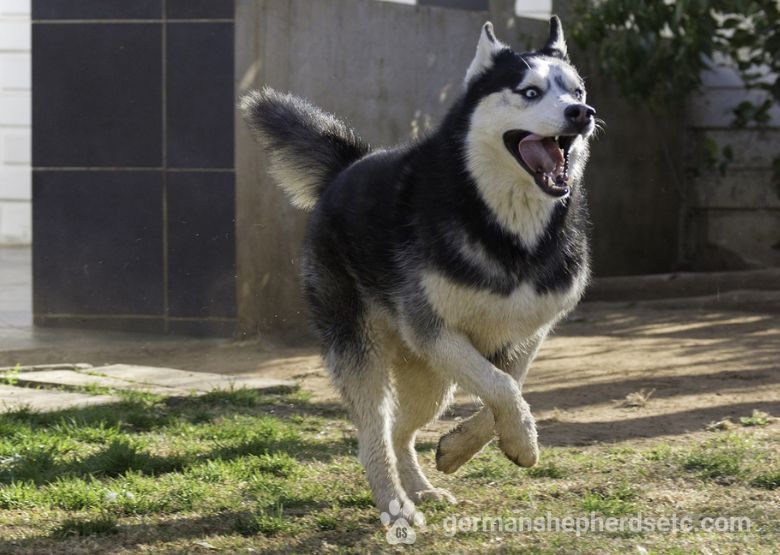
x,y
541,154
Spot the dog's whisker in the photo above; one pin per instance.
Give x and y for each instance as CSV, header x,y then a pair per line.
x,y
525,62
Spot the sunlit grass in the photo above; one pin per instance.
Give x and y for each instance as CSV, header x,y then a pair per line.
x,y
277,472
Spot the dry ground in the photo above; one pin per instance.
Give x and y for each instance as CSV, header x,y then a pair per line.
x,y
699,364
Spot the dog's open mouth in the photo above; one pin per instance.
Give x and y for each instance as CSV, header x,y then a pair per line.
x,y
545,158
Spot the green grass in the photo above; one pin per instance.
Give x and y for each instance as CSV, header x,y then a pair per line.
x,y
758,418
11,376
610,501
101,525
239,469
265,522
719,459
95,389
768,480
546,469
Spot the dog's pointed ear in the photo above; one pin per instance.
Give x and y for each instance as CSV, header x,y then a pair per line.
x,y
487,46
556,43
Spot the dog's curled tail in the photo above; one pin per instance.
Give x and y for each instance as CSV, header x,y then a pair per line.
x,y
307,147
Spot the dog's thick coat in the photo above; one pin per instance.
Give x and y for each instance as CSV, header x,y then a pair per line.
x,y
441,263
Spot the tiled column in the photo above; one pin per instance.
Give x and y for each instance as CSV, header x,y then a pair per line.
x,y
133,177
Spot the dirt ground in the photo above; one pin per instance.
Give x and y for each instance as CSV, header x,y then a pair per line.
x,y
684,362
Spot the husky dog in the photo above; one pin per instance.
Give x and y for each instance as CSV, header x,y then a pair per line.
x,y
441,263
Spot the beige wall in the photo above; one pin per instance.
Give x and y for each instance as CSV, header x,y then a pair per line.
x,y
389,69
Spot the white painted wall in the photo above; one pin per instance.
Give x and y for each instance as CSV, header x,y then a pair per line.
x,y
534,9
15,121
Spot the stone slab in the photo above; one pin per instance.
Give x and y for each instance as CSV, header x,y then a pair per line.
x,y
39,367
681,284
162,381
80,379
185,381
13,398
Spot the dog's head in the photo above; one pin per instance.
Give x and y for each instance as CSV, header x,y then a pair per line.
x,y
529,113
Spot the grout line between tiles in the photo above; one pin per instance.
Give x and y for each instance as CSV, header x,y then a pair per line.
x,y
164,52
126,21
137,317
129,168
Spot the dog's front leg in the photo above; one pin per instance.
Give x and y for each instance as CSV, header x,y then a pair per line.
x,y
460,444
509,414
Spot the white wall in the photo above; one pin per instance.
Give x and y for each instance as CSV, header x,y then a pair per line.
x,y
534,9
15,99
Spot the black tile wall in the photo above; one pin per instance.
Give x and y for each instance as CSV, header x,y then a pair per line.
x,y
97,240
96,9
200,95
201,244
97,95
196,9
133,181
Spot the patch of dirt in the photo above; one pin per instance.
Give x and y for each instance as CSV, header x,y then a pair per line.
x,y
703,363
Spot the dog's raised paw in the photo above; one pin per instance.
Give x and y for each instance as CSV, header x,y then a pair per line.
x,y
453,451
434,494
525,457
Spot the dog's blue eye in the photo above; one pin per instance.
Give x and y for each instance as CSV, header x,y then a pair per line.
x,y
530,92
578,93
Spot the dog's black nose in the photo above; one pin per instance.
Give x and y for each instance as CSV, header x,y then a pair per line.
x,y
579,114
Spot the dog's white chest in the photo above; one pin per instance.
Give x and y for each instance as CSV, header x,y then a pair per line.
x,y
494,321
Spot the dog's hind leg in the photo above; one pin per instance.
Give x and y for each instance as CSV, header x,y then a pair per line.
x,y
421,396
460,444
363,379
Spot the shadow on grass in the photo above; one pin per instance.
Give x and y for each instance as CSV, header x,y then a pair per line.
x,y
274,431
41,466
105,539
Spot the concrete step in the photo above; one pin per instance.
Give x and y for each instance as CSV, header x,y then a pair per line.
x,y
39,367
682,284
42,400
161,381
762,302
185,381
70,378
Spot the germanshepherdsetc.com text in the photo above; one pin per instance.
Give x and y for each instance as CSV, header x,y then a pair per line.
x,y
594,523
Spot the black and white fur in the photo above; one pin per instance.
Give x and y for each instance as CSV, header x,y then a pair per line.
x,y
440,263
